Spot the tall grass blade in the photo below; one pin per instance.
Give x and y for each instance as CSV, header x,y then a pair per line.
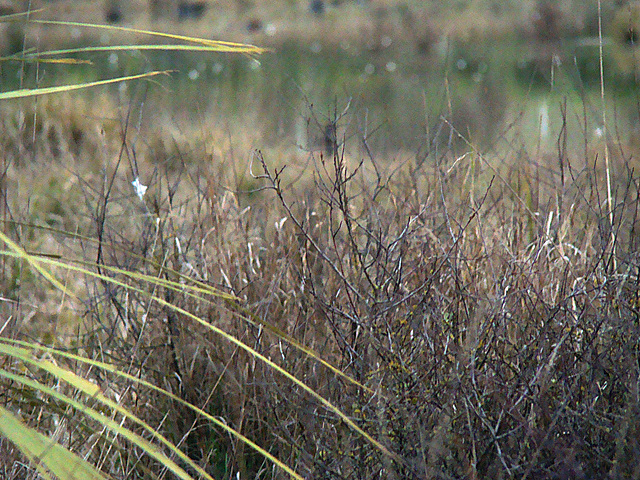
x,y
44,453
27,92
115,371
217,45
230,338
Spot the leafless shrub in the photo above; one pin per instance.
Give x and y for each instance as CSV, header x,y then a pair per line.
x,y
488,309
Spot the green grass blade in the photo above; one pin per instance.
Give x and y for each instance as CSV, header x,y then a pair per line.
x,y
22,254
232,340
93,391
44,453
328,405
12,17
117,48
27,92
200,291
105,421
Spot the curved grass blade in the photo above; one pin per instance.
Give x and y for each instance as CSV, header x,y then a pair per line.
x,y
226,336
43,56
105,421
27,92
234,341
328,405
31,260
44,453
214,44
114,370
197,290
93,391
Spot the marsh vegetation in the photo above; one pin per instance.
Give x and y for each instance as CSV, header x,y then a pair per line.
x,y
401,244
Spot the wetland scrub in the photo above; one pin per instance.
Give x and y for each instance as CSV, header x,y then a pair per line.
x,y
402,243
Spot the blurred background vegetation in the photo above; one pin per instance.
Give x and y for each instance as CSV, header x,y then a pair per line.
x,y
485,66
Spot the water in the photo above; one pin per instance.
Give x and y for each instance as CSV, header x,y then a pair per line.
x,y
397,98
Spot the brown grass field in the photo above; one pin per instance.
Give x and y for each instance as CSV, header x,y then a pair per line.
x,y
451,311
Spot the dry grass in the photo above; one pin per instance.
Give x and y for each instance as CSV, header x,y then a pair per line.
x,y
474,296
411,24
443,313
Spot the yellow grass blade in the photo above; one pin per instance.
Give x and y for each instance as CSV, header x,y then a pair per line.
x,y
93,391
111,424
18,16
27,92
216,44
198,289
236,342
112,369
328,405
39,58
118,48
44,453
248,316
22,254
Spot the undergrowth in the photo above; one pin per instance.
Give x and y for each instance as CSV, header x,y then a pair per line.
x,y
485,314
265,314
